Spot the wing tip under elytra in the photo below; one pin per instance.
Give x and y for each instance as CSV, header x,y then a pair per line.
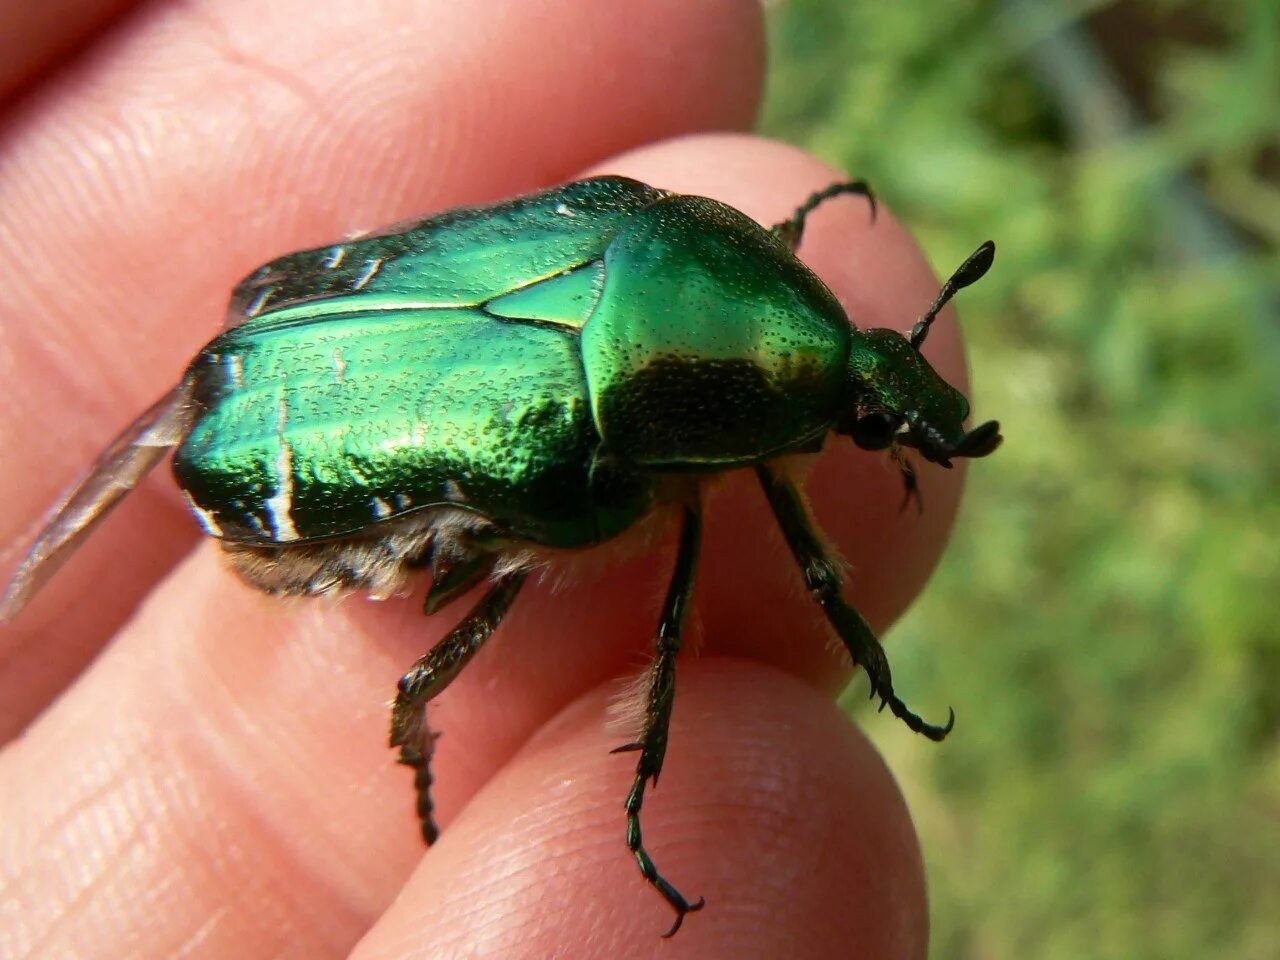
x,y
116,473
18,592
11,605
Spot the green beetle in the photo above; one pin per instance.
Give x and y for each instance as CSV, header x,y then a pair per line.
x,y
475,392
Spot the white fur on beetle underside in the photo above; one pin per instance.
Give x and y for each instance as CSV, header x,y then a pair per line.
x,y
383,566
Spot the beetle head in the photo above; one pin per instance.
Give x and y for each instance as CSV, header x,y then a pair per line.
x,y
899,399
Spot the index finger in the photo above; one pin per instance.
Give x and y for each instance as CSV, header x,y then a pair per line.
x,y
221,715
141,183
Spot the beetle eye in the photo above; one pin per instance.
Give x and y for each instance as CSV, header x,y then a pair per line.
x,y
876,431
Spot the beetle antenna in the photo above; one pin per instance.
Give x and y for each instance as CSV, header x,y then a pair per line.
x,y
790,231
970,271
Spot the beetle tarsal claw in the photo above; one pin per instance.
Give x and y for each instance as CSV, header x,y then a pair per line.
x,y
915,723
682,910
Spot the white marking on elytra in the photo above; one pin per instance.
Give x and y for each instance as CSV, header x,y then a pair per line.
x,y
453,491
381,508
206,517
259,301
402,502
564,210
334,258
339,364
280,506
233,365
370,271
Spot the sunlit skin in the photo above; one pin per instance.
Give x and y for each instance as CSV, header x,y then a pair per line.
x,y
186,724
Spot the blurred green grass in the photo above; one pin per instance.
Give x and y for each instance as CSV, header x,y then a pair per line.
x,y
1107,622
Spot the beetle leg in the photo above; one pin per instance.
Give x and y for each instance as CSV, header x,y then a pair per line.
x,y
823,579
430,675
662,690
451,578
791,231
910,484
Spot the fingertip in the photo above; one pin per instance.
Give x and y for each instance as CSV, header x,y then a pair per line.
x,y
772,807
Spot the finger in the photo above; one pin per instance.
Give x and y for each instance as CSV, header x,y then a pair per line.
x,y
771,806
216,146
219,714
33,35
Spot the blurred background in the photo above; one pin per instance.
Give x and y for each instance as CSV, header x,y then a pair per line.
x,y
1107,623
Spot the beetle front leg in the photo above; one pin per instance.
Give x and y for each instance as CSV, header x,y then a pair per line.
x,y
822,577
791,231
430,675
910,483
657,720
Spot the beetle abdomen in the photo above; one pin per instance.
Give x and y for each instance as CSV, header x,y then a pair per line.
x,y
324,429
711,345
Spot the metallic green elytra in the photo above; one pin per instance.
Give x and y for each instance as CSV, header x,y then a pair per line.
x,y
472,393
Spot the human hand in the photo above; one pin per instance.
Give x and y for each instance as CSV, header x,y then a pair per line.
x,y
217,783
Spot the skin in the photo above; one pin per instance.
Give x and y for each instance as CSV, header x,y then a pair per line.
x,y
216,783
